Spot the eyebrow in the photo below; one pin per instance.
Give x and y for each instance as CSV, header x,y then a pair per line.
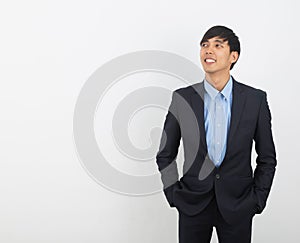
x,y
217,40
220,41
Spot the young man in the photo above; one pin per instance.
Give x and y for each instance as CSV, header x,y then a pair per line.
x,y
218,119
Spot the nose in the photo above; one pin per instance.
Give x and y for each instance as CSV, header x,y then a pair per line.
x,y
208,50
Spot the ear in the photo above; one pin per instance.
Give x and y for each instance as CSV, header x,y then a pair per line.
x,y
234,56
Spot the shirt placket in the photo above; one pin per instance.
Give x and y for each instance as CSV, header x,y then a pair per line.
x,y
219,128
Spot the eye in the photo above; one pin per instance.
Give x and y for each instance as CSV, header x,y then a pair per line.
x,y
203,45
219,45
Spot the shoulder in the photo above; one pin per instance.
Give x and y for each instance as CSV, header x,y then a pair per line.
x,y
188,90
250,90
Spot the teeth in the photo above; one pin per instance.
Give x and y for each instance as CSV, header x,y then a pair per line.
x,y
210,60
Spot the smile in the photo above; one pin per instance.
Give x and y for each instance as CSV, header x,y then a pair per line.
x,y
209,60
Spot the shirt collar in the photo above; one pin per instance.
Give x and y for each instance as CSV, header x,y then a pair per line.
x,y
226,91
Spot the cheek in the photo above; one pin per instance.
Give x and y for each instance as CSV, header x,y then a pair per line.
x,y
226,58
202,51
201,56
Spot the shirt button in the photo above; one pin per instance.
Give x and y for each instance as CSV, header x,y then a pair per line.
x,y
217,176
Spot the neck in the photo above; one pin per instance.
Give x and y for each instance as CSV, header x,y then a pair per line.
x,y
217,81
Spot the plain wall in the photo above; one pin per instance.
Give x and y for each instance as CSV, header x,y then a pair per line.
x,y
48,49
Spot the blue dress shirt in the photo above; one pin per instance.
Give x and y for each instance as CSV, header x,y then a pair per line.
x,y
217,114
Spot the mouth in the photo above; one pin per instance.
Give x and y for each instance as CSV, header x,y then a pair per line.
x,y
209,60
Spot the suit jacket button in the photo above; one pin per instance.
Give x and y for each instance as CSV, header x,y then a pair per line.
x,y
217,176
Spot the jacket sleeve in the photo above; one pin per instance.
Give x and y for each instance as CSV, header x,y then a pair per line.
x,y
168,149
266,155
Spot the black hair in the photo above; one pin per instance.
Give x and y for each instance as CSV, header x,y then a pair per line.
x,y
225,34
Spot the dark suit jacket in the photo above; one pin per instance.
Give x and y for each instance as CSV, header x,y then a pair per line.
x,y
239,191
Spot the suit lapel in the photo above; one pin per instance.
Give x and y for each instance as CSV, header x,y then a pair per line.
x,y
197,100
238,102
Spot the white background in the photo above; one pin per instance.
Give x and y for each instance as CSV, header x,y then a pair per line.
x,y
48,49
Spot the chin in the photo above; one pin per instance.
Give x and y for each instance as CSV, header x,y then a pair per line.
x,y
208,70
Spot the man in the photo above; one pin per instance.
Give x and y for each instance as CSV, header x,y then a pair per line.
x,y
218,119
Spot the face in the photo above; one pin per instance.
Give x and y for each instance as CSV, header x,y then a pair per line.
x,y
216,57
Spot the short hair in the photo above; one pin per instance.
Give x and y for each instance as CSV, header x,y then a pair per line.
x,y
225,34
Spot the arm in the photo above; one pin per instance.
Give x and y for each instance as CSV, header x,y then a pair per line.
x,y
168,149
266,155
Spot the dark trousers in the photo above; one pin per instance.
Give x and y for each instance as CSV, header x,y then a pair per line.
x,y
199,228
